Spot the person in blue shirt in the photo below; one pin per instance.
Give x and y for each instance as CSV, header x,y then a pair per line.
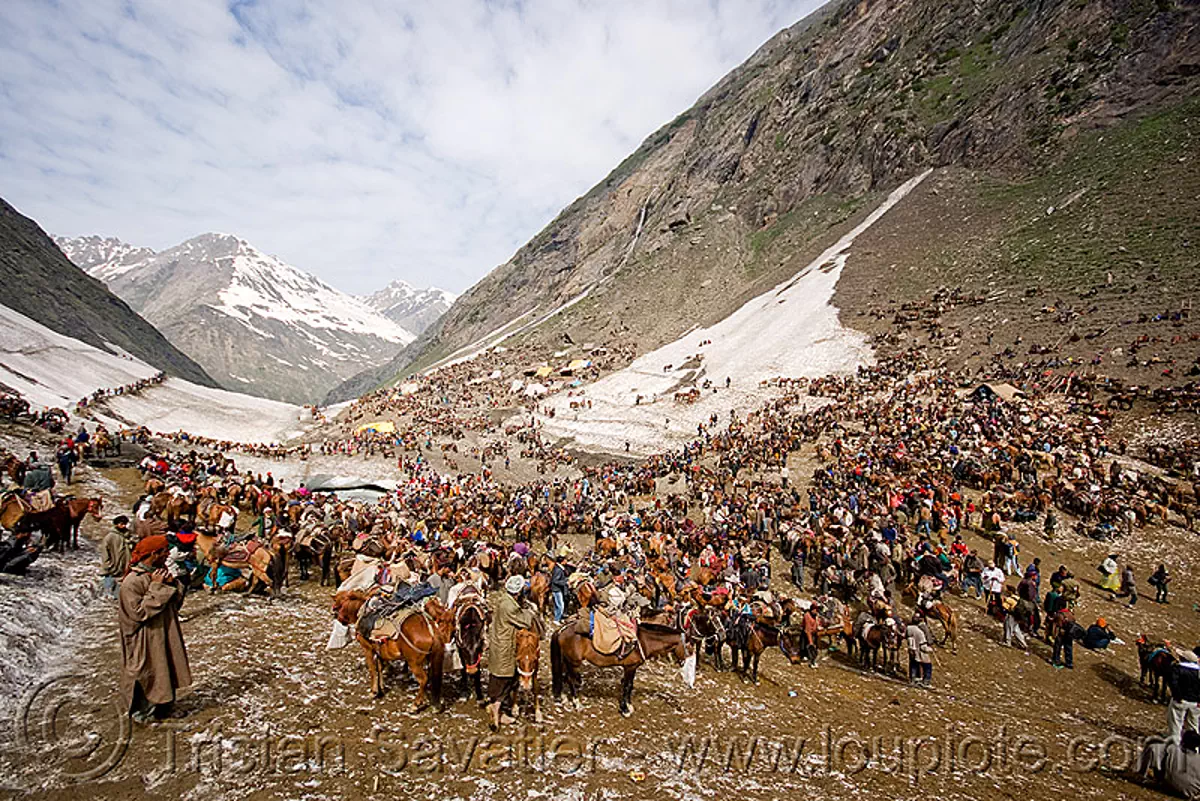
x,y
1098,635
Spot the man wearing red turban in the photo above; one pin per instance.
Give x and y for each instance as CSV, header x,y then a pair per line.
x,y
154,659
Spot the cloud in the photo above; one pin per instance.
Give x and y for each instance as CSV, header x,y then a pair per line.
x,y
362,141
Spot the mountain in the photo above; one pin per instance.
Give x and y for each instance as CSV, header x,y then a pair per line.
x,y
42,284
103,257
256,324
408,307
795,146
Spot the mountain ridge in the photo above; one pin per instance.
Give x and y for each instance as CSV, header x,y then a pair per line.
x,y
257,324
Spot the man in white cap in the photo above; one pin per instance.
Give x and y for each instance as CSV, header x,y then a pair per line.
x,y
507,617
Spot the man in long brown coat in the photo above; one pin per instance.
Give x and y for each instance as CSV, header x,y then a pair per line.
x,y
507,617
154,659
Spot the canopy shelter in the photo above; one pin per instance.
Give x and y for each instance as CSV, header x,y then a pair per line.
x,y
378,427
575,366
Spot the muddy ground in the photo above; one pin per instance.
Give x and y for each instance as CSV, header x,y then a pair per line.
x,y
273,714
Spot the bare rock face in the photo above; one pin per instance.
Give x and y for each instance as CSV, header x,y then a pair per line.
x,y
42,284
796,142
256,324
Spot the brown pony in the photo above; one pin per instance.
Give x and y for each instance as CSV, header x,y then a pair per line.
x,y
54,523
606,546
569,650
209,516
529,648
15,468
881,635
942,613
77,509
171,507
539,591
421,639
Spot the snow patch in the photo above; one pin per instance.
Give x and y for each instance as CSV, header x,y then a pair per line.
x,y
50,369
791,330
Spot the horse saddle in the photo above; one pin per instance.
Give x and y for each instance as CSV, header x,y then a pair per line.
x,y
240,553
612,633
41,501
382,618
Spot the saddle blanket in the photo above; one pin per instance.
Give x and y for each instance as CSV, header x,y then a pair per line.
x,y
41,501
611,633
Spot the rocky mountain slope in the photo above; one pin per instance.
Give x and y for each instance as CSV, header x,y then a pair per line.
x,y
408,307
42,284
790,150
257,324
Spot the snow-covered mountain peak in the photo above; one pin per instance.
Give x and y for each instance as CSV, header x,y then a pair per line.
x,y
414,309
255,322
103,257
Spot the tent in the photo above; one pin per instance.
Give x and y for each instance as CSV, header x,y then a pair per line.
x,y
495,374
575,366
516,386
543,371
535,390
409,388
378,427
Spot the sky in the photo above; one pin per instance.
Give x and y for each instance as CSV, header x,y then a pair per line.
x,y
360,140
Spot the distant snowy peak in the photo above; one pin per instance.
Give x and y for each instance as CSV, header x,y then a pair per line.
x,y
268,287
255,323
103,257
412,308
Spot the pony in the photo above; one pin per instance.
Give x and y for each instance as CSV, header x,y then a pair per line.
x,y
751,638
942,613
420,642
470,622
265,564
54,523
569,650
14,468
871,640
705,626
539,590
529,648
77,510
315,544
1156,661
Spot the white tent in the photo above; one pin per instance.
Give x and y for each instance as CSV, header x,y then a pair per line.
x,y
516,386
535,390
